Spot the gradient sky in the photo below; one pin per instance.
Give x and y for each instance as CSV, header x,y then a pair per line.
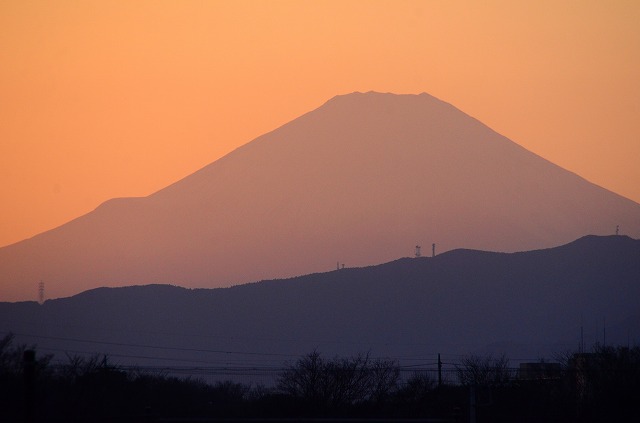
x,y
102,99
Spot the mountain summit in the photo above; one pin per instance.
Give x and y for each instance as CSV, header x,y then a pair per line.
x,y
359,180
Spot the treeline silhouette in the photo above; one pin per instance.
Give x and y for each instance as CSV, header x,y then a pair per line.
x,y
602,385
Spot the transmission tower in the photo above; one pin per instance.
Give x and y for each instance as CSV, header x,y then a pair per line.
x,y
418,251
41,292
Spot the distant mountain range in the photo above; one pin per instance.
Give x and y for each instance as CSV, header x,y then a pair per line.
x,y
528,305
360,180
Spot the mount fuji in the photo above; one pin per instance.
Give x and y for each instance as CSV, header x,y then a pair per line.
x,y
358,181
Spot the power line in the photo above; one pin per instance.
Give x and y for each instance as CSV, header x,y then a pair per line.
x,y
420,358
122,344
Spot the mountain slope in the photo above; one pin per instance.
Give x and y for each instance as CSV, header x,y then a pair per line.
x,y
528,305
359,180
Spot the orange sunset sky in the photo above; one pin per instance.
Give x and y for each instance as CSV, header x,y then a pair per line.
x,y
103,99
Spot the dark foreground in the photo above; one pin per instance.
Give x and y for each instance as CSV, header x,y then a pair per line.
x,y
603,385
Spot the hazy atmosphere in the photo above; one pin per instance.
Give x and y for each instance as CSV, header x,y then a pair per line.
x,y
116,99
314,211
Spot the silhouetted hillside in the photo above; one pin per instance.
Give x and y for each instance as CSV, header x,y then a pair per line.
x,y
527,305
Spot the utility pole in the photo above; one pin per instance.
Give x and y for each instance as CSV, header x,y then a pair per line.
x,y
29,373
472,404
439,371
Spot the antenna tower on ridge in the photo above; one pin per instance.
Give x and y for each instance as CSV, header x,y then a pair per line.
x,y
617,229
41,292
433,250
418,251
